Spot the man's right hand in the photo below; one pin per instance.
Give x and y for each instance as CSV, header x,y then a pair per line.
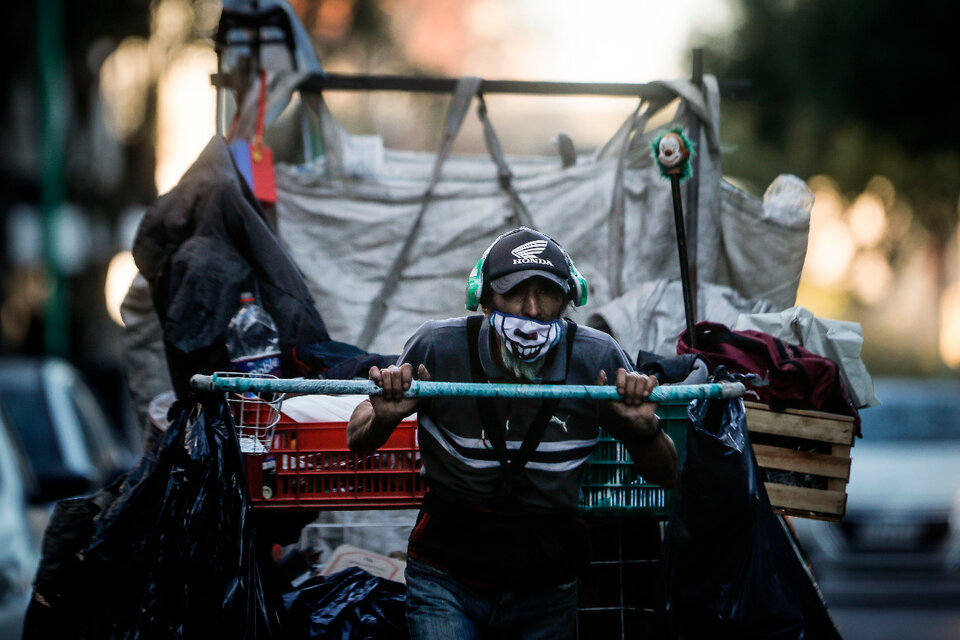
x,y
374,419
391,404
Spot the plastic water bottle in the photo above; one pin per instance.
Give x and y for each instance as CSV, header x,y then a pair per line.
x,y
253,344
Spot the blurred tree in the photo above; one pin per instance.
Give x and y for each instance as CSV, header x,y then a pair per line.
x,y
354,30
47,114
89,28
850,89
854,90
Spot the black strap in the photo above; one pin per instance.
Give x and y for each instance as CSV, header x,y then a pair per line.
x,y
494,429
485,409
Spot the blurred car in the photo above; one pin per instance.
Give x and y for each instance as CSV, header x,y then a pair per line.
x,y
900,537
67,438
19,534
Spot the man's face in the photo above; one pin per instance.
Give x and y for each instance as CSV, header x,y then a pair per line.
x,y
536,298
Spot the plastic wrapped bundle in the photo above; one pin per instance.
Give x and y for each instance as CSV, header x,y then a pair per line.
x,y
173,555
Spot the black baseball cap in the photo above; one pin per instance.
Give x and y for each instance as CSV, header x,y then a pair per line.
x,y
524,254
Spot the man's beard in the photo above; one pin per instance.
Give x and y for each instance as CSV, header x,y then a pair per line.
x,y
526,371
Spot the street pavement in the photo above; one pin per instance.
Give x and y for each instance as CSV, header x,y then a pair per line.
x,y
897,623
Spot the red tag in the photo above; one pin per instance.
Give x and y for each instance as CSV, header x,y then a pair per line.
x,y
261,164
261,157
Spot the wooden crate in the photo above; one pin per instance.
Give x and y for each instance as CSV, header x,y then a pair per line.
x,y
831,432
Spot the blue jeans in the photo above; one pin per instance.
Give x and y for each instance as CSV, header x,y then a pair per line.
x,y
440,607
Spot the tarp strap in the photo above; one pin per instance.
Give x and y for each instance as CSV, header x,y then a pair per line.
x,y
462,96
467,87
521,216
694,99
280,87
617,219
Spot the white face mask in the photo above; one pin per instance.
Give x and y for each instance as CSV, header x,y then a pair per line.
x,y
525,339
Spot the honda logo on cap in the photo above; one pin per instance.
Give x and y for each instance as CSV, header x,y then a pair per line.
x,y
529,252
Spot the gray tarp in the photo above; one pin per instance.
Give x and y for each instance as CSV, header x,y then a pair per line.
x,y
362,213
385,238
646,317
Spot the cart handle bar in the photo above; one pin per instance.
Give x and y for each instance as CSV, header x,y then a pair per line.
x,y
663,394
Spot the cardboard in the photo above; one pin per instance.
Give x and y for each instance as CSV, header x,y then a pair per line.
x,y
346,556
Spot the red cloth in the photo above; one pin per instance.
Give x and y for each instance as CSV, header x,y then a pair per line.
x,y
796,377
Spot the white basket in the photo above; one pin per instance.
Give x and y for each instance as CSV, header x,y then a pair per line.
x,y
255,414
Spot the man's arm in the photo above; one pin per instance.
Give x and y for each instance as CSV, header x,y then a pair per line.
x,y
375,418
655,460
650,448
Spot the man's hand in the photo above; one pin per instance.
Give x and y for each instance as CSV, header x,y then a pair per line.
x,y
375,419
395,381
635,408
650,448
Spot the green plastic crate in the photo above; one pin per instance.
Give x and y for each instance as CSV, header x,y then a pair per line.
x,y
611,485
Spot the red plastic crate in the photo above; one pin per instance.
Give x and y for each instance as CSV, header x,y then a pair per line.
x,y
314,469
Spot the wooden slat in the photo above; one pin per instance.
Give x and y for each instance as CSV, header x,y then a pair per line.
x,y
835,484
836,430
818,464
800,426
804,499
800,412
809,515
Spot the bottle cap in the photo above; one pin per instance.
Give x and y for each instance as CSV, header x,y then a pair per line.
x,y
246,296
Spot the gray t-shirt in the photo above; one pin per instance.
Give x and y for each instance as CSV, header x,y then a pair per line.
x,y
458,459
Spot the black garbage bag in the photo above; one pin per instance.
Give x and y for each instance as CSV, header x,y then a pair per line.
x,y
173,555
348,604
730,569
57,591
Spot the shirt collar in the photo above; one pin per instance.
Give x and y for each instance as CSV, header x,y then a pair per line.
x,y
554,370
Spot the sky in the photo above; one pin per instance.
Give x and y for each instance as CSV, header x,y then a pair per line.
x,y
562,40
619,40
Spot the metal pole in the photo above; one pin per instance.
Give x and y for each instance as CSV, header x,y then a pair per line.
x,y
688,305
664,394
693,191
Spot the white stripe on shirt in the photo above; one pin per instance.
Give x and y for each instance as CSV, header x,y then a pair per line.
x,y
479,444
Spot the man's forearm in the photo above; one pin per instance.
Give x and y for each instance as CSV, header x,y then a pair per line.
x,y
367,431
655,457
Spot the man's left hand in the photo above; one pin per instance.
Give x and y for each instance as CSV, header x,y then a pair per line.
x,y
635,408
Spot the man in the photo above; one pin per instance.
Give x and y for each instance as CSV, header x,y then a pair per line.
x,y
497,547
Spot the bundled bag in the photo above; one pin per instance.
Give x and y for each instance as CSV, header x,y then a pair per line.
x,y
838,340
173,554
60,588
730,568
386,237
795,377
780,224
348,604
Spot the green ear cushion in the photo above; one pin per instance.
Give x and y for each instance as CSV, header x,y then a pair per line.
x,y
474,286
582,290
580,284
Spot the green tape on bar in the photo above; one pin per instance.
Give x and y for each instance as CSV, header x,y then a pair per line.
x,y
663,394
